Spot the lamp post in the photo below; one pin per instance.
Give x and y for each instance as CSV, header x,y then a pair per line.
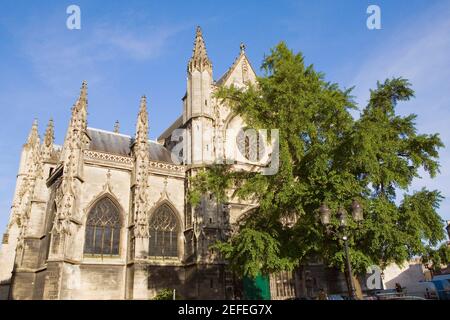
x,y
448,230
357,214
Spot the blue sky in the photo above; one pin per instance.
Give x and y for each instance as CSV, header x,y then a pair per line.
x,y
126,49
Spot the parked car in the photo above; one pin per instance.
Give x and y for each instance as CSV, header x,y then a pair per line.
x,y
335,297
405,298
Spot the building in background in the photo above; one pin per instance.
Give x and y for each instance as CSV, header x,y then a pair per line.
x,y
409,276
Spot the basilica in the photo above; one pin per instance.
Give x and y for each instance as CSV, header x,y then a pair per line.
x,y
105,215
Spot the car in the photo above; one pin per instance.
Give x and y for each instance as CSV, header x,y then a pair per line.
x,y
335,297
406,298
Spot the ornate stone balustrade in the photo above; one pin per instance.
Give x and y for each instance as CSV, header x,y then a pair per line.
x,y
128,161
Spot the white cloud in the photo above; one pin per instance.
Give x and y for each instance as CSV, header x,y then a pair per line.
x,y
61,57
144,45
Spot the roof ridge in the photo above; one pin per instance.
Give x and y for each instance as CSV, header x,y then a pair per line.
x,y
110,132
120,134
233,65
154,141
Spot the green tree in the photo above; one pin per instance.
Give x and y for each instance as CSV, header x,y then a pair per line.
x,y
164,294
326,156
435,258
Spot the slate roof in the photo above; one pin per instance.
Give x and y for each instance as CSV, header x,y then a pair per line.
x,y
116,143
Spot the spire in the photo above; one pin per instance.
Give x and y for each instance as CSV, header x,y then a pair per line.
x,y
76,136
116,126
47,147
199,60
33,136
141,163
81,106
78,121
49,133
142,122
26,195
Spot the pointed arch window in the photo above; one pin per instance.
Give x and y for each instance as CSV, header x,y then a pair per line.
x,y
164,229
103,229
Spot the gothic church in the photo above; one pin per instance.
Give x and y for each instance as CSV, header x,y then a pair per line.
x,y
105,215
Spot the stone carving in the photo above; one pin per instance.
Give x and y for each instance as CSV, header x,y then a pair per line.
x,y
32,172
47,147
141,159
245,76
76,141
106,190
166,166
116,126
103,156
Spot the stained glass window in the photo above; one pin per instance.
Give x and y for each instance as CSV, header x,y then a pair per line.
x,y
164,230
103,229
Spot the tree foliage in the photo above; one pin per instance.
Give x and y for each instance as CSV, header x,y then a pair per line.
x,y
253,252
327,156
434,259
164,294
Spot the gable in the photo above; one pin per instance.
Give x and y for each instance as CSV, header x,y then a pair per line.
x,y
240,73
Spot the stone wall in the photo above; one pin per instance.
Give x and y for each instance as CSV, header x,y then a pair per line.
x,y
22,286
408,276
162,277
93,282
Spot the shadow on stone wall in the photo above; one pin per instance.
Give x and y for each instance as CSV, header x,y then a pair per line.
x,y
165,277
410,275
408,278
4,289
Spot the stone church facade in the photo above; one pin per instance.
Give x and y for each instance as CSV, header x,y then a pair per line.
x,y
105,215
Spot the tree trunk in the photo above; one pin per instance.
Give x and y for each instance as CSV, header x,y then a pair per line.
x,y
358,289
357,286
